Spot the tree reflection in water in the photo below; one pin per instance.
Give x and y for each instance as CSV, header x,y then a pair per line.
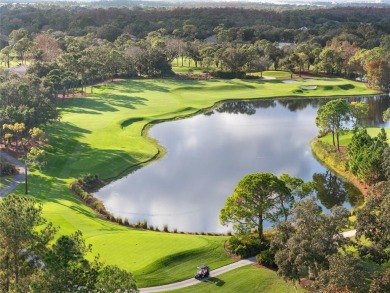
x,y
332,190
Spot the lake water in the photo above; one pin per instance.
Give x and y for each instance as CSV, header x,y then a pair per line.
x,y
208,154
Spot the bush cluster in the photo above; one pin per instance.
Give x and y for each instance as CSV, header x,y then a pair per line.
x,y
7,169
247,245
267,258
227,74
77,188
90,182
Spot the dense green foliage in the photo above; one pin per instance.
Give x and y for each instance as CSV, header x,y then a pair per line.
x,y
366,155
82,46
373,224
24,234
304,243
344,273
7,169
255,198
110,23
247,245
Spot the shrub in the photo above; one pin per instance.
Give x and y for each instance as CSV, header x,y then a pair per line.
x,y
267,258
126,222
166,228
151,227
90,182
228,74
111,217
98,205
7,169
247,245
175,230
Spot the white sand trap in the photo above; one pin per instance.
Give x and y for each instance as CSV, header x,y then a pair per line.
x,y
308,87
289,81
308,79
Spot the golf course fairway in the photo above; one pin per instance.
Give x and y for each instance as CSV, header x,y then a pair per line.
x,y
104,134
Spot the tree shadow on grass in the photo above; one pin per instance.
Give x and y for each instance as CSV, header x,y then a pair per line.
x,y
124,101
328,87
135,86
347,86
68,157
102,103
54,190
85,105
215,281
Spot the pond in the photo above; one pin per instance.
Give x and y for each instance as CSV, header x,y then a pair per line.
x,y
208,154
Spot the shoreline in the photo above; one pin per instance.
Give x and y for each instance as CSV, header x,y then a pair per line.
x,y
320,154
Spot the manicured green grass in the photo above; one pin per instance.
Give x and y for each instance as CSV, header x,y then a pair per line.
x,y
102,134
346,138
246,279
4,181
149,255
275,74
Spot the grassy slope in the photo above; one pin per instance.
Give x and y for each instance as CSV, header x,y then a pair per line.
x,y
101,134
247,279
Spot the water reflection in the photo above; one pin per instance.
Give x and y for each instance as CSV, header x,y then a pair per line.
x,y
208,154
332,190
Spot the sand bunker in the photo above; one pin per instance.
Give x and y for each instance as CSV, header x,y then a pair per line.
x,y
308,79
308,87
289,81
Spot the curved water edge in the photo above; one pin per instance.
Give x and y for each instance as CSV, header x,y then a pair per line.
x,y
160,148
196,213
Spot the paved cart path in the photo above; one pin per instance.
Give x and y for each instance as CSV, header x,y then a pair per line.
x,y
214,273
17,179
193,281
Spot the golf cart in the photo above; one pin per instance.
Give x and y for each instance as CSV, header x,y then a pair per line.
x,y
202,272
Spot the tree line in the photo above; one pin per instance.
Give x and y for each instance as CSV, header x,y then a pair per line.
x,y
66,61
113,21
